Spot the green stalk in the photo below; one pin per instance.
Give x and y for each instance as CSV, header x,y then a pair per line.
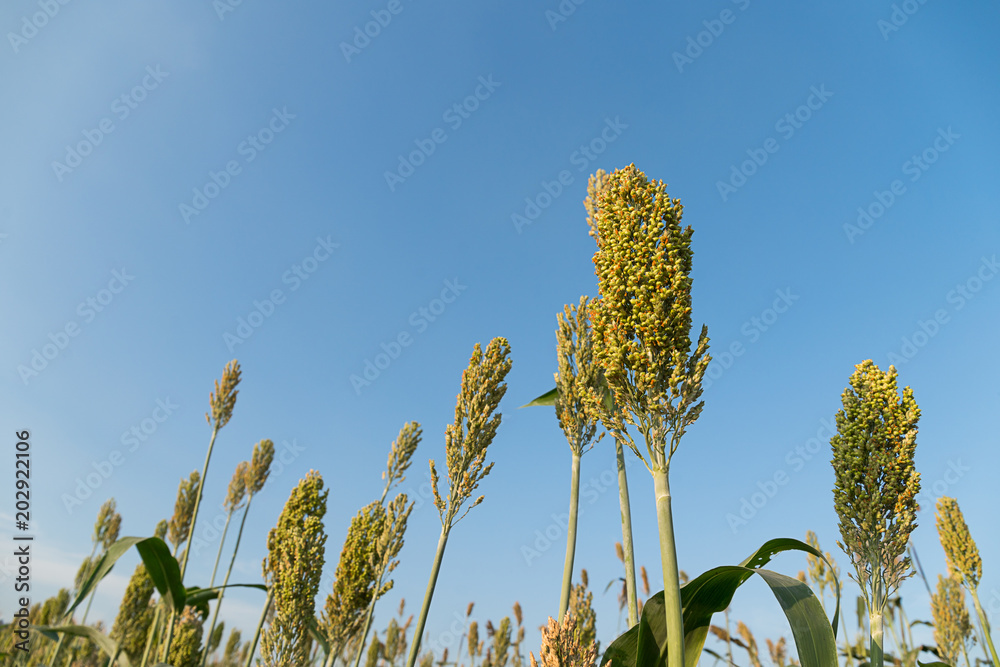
x,y
985,625
574,506
847,641
422,619
218,604
194,523
671,579
151,634
626,513
876,658
218,556
260,625
368,623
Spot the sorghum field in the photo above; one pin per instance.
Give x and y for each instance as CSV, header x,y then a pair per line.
x,y
282,387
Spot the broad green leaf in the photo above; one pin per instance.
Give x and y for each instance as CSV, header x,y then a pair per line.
x,y
196,596
105,643
932,664
645,644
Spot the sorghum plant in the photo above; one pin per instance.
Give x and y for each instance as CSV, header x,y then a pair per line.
x,y
642,326
963,560
876,486
466,443
179,528
952,627
578,376
292,570
564,646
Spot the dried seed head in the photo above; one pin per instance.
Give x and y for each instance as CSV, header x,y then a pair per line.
x,y
180,523
960,551
952,627
467,439
517,610
107,525
619,551
468,610
473,639
584,578
402,451
777,651
642,319
581,610
260,467
562,646
223,399
750,643
237,491
645,580
876,482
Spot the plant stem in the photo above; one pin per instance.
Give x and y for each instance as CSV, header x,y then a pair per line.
x,y
574,506
626,513
218,604
194,522
422,619
151,634
875,623
218,555
368,622
985,625
671,579
260,624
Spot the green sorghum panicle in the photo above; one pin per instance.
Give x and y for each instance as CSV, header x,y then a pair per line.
x,y
108,525
185,650
581,607
960,550
292,569
876,482
402,451
237,491
579,375
134,614
223,399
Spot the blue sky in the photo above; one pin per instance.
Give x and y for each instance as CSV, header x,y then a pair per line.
x,y
181,164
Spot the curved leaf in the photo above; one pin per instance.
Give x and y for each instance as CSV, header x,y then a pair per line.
x,y
106,644
645,644
548,398
196,596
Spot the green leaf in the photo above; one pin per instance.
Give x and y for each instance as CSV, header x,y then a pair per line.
x,y
548,398
318,635
162,567
645,644
105,643
196,596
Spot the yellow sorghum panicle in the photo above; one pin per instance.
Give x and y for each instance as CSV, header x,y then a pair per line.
x,y
582,610
223,399
180,522
642,319
402,451
952,626
751,643
960,549
292,569
237,490
777,651
817,566
876,482
185,650
473,638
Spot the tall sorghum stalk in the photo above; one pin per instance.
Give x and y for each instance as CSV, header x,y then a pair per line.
x,y
876,487
222,401
596,186
466,442
578,376
642,327
963,560
292,570
403,448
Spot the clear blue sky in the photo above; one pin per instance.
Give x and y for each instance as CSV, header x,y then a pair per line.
x,y
206,155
